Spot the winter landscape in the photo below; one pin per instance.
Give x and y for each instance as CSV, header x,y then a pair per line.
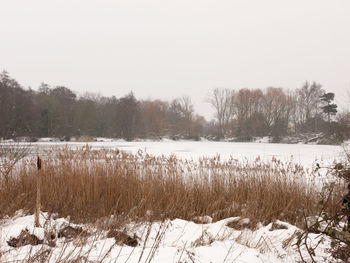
x,y
202,131
224,231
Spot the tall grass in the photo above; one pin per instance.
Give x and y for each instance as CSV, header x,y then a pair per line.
x,y
87,185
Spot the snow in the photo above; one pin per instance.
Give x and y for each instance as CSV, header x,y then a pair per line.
x,y
48,139
306,155
265,139
180,240
6,141
168,241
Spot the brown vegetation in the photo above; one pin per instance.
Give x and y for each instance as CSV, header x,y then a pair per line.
x,y
88,185
25,238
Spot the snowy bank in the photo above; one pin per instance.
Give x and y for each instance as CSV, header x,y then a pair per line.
x,y
168,241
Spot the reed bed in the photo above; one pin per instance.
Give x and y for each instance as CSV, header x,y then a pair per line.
x,y
88,185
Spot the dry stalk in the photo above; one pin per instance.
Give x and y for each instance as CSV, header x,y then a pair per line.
x,y
88,185
38,191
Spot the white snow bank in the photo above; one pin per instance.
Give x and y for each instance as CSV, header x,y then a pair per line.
x,y
48,139
169,241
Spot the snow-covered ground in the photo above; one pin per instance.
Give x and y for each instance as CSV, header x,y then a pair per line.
x,y
175,240
303,154
169,241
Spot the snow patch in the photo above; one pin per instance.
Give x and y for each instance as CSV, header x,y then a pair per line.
x,y
168,241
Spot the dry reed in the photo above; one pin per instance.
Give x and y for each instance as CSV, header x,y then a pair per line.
x,y
87,185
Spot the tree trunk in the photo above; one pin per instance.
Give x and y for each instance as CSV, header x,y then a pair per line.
x,y
37,202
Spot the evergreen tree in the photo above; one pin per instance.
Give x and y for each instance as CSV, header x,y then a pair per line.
x,y
330,108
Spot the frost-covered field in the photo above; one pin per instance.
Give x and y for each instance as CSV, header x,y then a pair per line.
x,y
303,154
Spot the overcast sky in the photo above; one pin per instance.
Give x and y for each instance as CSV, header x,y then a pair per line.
x,y
166,49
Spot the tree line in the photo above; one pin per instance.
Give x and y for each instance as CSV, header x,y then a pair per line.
x,y
277,112
59,112
242,114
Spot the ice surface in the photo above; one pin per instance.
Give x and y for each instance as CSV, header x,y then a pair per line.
x,y
303,154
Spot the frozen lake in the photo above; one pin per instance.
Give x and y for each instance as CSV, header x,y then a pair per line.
x,y
298,153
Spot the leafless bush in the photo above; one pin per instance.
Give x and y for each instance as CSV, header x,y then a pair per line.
x,y
325,225
10,155
334,224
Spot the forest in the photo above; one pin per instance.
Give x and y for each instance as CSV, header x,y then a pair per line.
x,y
240,114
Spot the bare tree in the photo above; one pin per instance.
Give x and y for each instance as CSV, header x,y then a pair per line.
x,y
153,115
181,117
292,110
248,110
186,107
308,103
276,105
222,101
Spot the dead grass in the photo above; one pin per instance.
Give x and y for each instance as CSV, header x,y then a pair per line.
x,y
88,185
